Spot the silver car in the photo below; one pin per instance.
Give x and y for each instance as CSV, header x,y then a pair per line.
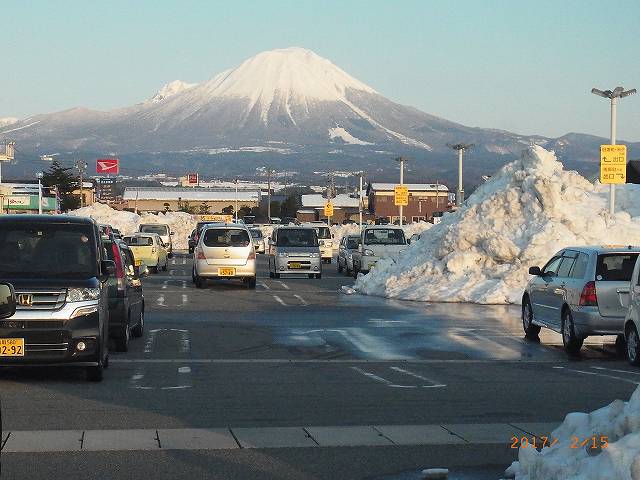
x,y
348,245
294,250
631,297
224,251
577,294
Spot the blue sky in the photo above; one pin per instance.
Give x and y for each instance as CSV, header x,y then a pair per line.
x,y
521,66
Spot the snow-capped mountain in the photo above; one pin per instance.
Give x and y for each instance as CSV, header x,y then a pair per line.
x,y
5,121
287,107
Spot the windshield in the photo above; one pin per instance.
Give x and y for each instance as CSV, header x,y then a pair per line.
x,y
352,243
256,233
384,236
298,237
225,237
159,229
47,251
323,232
138,241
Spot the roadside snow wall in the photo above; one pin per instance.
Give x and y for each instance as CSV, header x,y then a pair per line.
x,y
519,218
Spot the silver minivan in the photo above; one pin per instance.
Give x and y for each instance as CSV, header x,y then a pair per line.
x,y
577,294
631,297
294,250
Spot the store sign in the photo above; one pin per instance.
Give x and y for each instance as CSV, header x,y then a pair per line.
x,y
401,195
613,163
192,178
107,189
29,202
108,165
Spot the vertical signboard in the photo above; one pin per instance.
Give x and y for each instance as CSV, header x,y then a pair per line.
x,y
613,163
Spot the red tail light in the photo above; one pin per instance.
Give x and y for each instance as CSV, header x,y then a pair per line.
x,y
117,259
588,297
200,254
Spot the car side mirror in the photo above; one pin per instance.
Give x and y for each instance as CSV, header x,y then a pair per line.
x,y
535,271
7,300
107,268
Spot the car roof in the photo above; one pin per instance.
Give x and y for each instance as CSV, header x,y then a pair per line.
x,y
295,227
41,219
352,236
599,249
152,224
382,227
143,234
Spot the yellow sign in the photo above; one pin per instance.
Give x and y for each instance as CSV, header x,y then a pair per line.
x,y
613,163
401,195
213,218
328,209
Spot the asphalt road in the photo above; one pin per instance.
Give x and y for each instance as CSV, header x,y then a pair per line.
x,y
299,352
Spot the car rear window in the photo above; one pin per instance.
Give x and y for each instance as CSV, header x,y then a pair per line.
x,y
297,237
256,233
323,232
138,241
353,243
615,267
384,236
159,229
225,237
47,251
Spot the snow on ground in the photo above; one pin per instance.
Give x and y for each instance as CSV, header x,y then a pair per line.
x,y
619,422
519,218
180,223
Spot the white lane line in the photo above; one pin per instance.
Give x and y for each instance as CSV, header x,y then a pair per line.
x,y
184,370
184,260
165,285
433,383
185,342
617,371
613,377
286,287
151,340
184,284
160,301
173,261
372,376
264,285
279,300
302,300
185,299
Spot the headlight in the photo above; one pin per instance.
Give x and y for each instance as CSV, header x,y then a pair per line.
x,y
368,252
283,254
82,294
315,255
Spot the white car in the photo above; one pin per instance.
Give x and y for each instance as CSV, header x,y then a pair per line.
x,y
376,242
162,230
325,240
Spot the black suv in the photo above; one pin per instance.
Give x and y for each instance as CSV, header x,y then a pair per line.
x,y
59,269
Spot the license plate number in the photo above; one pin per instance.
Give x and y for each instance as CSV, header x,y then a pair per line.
x,y
295,265
226,272
138,263
11,347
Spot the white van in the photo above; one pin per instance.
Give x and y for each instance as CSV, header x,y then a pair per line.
x,y
161,229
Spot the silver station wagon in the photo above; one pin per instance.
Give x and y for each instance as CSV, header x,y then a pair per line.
x,y
577,294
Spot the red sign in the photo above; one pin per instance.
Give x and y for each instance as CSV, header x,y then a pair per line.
x,y
193,179
108,165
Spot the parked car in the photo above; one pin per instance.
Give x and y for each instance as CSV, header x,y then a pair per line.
x,y
126,298
325,240
376,242
192,241
577,294
60,272
258,239
225,251
631,298
294,250
348,246
149,249
162,230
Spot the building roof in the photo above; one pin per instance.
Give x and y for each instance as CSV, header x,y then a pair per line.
x,y
189,194
413,187
341,200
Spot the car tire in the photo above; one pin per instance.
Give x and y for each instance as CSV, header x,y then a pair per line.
x,y
170,255
251,283
312,275
340,268
153,269
621,345
572,343
531,330
276,275
201,282
138,330
355,271
271,274
633,345
122,343
318,276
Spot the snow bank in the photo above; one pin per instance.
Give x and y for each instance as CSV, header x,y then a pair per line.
x,y
619,422
525,213
180,223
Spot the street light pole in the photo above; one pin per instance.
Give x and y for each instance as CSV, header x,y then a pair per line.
x,y
81,165
460,147
269,173
235,210
39,175
401,160
360,200
613,95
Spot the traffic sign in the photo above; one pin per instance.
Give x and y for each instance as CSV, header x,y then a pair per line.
x,y
613,163
401,196
108,165
192,178
328,209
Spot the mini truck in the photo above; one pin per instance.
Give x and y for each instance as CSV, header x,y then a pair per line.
x,y
376,242
294,250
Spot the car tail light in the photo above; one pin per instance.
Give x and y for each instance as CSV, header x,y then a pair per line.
x,y
200,254
119,269
588,297
252,254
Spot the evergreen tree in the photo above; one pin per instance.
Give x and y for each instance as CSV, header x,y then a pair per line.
x,y
67,183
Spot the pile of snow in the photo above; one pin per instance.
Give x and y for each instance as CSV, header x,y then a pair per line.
x,y
524,214
619,422
171,89
180,223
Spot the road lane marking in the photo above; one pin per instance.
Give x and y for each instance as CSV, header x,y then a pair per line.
x,y
372,376
617,371
286,287
613,377
160,301
184,260
293,361
280,301
302,300
433,383
185,299
264,285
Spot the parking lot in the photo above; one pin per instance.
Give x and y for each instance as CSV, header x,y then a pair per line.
x,y
227,380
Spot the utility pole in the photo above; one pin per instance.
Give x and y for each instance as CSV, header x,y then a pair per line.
x,y
39,175
460,147
401,160
331,193
270,172
235,210
360,199
81,166
613,95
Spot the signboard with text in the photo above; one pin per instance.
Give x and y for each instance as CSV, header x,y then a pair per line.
x,y
613,164
192,178
108,165
401,195
328,209
107,189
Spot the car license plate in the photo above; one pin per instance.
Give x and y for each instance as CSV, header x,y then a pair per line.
x,y
11,347
138,263
226,272
295,265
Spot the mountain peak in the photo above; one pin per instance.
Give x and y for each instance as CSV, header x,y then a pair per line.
x,y
170,89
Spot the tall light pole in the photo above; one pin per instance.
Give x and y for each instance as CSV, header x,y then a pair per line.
x,y
613,95
401,160
39,175
460,147
81,166
235,210
360,199
270,172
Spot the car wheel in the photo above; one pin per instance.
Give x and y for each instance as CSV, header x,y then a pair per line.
x,y
251,283
531,330
153,269
138,330
271,274
633,345
276,275
340,266
312,275
572,343
170,255
318,276
201,282
122,344
621,346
